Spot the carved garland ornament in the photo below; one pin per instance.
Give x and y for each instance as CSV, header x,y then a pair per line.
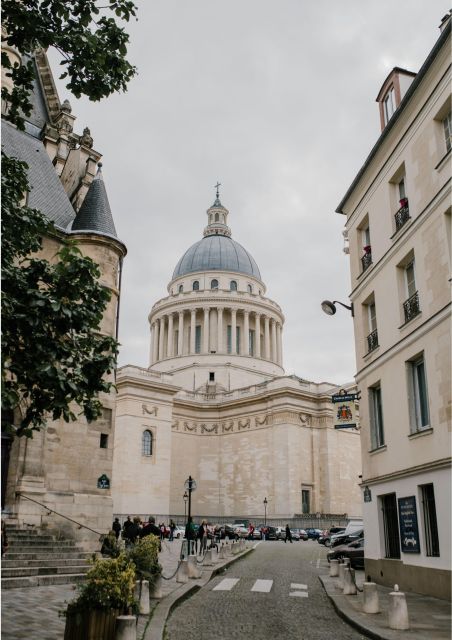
x,y
244,425
152,412
212,429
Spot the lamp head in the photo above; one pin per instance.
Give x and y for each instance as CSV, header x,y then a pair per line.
x,y
328,307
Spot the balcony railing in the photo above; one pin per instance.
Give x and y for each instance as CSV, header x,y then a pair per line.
x,y
402,216
411,307
372,340
366,260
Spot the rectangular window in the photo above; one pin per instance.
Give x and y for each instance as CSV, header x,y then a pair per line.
x,y
229,338
305,501
211,376
103,441
410,279
251,342
447,123
372,317
389,105
237,340
176,342
198,338
411,306
376,417
372,338
402,192
420,418
366,237
390,525
430,523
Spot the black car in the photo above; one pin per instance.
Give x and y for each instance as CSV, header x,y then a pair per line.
x,y
326,538
313,534
353,550
346,539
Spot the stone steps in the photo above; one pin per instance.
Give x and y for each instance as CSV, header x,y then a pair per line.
x,y
36,558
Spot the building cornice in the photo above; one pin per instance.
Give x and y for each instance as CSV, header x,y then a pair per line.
x,y
434,465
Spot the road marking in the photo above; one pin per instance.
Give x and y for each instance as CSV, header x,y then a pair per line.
x,y
318,563
262,586
226,584
298,586
299,594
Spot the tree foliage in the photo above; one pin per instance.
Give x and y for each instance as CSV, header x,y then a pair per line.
x,y
92,45
53,353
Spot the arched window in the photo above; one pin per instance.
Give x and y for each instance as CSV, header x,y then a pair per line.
x,y
214,284
217,217
196,285
250,288
181,288
233,285
146,443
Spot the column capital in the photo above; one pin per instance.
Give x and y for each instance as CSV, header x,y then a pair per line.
x,y
246,312
272,320
181,313
206,309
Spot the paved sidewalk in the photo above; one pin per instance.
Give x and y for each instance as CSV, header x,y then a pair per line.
x,y
430,618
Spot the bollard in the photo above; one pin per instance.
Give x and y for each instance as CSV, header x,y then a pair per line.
x,y
398,611
341,575
370,598
222,552
349,588
193,571
208,558
334,568
182,572
142,596
155,590
126,628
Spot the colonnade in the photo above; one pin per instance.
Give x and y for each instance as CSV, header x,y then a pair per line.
x,y
216,330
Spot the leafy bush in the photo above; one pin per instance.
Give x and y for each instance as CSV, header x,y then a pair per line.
x,y
110,585
144,555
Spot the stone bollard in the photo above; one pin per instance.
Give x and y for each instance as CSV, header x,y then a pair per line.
x,y
193,571
208,558
182,572
341,575
334,568
143,597
155,590
349,588
222,552
233,549
370,598
398,611
126,628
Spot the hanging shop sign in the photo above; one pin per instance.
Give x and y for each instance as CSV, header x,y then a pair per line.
x,y
345,410
367,494
409,532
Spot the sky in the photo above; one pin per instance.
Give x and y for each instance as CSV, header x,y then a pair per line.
x,y
276,101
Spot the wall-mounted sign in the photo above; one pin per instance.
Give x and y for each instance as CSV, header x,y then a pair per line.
x,y
344,410
409,532
103,482
367,494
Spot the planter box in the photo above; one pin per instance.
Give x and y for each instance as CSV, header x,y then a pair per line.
x,y
91,625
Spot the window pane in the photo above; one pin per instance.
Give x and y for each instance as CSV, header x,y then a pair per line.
x,y
196,285
447,122
430,522
237,336
233,285
214,284
229,338
251,342
372,317
198,338
147,443
410,280
402,189
420,389
391,526
376,418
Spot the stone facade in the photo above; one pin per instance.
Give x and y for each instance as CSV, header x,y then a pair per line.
x,y
399,228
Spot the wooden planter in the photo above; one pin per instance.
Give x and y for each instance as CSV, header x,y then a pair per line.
x,y
97,624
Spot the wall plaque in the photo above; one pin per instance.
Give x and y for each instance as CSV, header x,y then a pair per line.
x,y
409,532
103,482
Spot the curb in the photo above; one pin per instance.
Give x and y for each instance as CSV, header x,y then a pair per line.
x,y
162,611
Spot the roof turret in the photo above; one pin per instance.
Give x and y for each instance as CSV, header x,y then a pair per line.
x,y
95,213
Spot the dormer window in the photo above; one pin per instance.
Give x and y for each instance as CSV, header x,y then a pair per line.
x,y
181,288
250,288
233,285
214,284
196,285
389,105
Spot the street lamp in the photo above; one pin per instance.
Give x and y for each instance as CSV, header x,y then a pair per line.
x,y
185,497
265,509
330,307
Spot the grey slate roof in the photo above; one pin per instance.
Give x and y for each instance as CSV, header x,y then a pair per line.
x,y
217,253
95,212
47,193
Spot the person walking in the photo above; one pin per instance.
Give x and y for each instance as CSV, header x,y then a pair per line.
x,y
116,527
250,531
189,534
288,535
202,536
172,526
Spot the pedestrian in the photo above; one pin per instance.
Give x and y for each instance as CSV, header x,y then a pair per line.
x,y
250,531
116,527
110,545
189,534
288,535
264,532
126,527
202,536
172,526
4,539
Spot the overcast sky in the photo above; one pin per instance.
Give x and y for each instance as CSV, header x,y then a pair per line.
x,y
276,100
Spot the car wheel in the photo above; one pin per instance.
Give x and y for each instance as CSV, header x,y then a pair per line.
x,y
327,543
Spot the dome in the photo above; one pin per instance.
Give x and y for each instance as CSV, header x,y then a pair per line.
x,y
217,253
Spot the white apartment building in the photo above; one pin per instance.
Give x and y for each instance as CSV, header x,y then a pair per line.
x,y
398,211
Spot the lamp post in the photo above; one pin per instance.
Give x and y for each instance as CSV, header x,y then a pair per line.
x,y
330,307
185,497
265,510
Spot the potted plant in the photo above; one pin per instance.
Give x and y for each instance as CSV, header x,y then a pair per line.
x,y
403,202
106,594
367,249
145,555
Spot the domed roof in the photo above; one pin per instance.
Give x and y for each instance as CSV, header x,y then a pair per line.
x,y
217,253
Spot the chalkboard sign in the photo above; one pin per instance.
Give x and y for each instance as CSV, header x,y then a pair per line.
x,y
409,532
103,482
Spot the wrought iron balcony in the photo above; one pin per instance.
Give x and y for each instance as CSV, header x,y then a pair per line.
x,y
372,340
411,307
366,260
402,216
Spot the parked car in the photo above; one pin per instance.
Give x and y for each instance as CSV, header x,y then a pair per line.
x,y
325,538
179,531
343,538
303,534
241,532
313,534
353,550
295,534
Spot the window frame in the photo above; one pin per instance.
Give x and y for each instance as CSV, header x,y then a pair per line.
x,y
214,284
180,288
418,395
376,420
389,99
447,129
233,286
198,338
430,521
147,443
195,285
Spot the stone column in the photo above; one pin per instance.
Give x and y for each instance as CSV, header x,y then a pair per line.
x,y
220,330
267,338
246,333
170,341
279,342
152,349
274,355
192,331
161,336
180,337
205,331
233,331
257,333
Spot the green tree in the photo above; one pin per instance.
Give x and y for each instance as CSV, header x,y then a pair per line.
x,y
93,47
54,356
